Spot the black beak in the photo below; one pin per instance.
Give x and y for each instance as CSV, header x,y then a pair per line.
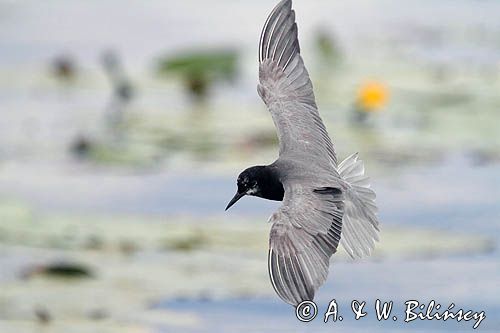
x,y
236,197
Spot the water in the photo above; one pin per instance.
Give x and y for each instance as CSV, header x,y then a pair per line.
x,y
432,153
418,197
228,316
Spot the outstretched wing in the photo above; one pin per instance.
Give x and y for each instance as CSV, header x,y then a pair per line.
x,y
287,90
305,234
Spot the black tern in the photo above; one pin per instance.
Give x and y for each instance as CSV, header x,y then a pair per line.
x,y
123,93
324,203
122,88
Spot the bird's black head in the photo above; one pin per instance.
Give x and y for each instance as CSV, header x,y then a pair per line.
x,y
248,184
259,181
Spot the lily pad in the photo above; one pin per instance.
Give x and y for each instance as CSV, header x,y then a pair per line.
x,y
200,69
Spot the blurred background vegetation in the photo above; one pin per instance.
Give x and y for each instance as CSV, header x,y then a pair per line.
x,y
124,126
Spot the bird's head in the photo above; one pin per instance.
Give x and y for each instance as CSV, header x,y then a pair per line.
x,y
247,184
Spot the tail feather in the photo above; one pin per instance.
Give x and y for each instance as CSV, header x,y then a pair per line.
x,y
360,224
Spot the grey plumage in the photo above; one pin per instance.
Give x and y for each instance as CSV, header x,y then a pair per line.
x,y
360,223
324,204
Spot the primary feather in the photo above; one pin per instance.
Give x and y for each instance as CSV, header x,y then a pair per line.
x,y
287,90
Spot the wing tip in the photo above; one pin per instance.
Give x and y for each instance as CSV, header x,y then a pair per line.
x,y
290,292
268,36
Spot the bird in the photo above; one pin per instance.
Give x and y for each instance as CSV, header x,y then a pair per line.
x,y
122,87
64,68
324,203
123,93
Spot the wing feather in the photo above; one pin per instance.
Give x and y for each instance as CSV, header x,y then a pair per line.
x,y
361,226
305,234
287,90
313,220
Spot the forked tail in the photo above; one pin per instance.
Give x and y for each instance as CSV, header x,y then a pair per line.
x,y
360,224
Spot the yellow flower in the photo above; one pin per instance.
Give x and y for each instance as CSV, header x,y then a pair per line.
x,y
372,96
